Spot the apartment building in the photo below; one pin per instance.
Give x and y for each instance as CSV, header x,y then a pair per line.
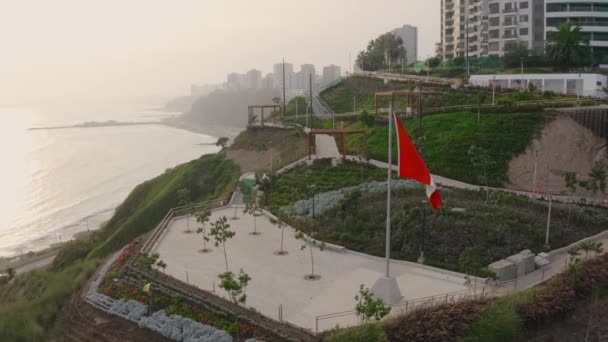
x,y
591,16
490,27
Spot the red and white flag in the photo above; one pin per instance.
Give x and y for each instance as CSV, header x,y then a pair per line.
x,y
412,166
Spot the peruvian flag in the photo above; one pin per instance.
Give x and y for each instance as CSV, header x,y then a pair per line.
x,y
412,166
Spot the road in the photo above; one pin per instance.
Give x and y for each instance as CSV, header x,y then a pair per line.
x,y
319,109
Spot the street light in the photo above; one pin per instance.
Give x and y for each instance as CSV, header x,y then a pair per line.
x,y
421,257
522,72
312,187
493,90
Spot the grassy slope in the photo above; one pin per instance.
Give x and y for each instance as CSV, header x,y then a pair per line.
x,y
209,177
31,305
361,89
448,138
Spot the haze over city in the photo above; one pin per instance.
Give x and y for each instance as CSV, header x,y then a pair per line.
x,y
150,48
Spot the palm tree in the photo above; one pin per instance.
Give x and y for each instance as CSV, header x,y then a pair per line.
x,y
567,46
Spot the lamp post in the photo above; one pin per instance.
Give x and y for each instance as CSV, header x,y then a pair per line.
x,y
421,257
493,90
521,72
312,187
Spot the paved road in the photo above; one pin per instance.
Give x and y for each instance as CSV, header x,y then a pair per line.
x,y
320,110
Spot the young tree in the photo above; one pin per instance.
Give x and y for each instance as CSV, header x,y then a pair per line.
x,y
161,264
597,178
235,287
571,181
368,308
281,225
222,142
469,262
149,260
220,230
184,199
252,208
203,218
573,254
264,179
306,231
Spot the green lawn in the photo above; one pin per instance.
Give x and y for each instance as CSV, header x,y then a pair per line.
x,y
448,138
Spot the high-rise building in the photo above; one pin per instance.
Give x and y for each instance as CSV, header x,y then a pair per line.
x,y
591,16
409,35
515,22
306,70
277,71
331,73
254,79
490,27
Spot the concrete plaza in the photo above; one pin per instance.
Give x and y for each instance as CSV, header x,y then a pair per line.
x,y
278,288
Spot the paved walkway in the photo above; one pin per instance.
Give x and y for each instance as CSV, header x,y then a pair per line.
x,y
326,146
279,280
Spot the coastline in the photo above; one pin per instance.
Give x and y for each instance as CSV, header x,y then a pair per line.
x,y
46,247
39,259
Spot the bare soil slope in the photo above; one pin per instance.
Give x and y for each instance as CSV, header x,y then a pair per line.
x,y
564,146
255,148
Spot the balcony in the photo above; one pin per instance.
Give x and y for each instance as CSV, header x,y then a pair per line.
x,y
509,10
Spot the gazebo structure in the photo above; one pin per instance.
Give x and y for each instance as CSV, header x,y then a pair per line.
x,y
251,111
342,133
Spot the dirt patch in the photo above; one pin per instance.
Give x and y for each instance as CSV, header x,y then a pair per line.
x,y
564,146
259,148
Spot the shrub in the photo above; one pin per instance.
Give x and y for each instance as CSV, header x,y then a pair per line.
x,y
589,275
367,332
553,301
436,322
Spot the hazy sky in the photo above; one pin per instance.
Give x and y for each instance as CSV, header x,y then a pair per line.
x,y
160,47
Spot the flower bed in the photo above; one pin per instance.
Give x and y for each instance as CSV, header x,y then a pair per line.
x,y
172,318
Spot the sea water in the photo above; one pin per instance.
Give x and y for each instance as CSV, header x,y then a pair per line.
x,y
55,183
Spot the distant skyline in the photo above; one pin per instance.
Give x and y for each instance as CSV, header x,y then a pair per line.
x,y
144,48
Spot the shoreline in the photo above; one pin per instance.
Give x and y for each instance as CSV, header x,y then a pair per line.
x,y
42,258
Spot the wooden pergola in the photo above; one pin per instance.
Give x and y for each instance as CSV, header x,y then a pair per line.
x,y
312,146
414,98
251,110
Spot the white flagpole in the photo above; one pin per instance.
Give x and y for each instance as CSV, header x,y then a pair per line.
x,y
388,190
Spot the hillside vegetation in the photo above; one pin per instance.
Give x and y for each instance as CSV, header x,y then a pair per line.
x,y
448,138
31,305
570,307
490,226
361,90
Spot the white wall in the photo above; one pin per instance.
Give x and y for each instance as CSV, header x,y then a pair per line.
x,y
589,85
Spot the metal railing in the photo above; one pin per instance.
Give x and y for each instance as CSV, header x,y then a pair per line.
x,y
175,212
350,317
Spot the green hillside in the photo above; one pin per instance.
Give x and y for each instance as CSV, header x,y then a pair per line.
x,y
31,305
358,93
448,138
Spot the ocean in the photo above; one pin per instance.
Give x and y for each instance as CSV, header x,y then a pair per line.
x,y
55,183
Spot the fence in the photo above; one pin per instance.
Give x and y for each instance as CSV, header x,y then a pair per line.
x,y
350,317
157,233
527,281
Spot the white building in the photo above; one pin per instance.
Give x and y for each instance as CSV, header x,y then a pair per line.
x,y
511,22
303,77
490,27
591,16
409,35
589,85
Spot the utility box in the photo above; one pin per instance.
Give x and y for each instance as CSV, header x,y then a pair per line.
x,y
504,270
